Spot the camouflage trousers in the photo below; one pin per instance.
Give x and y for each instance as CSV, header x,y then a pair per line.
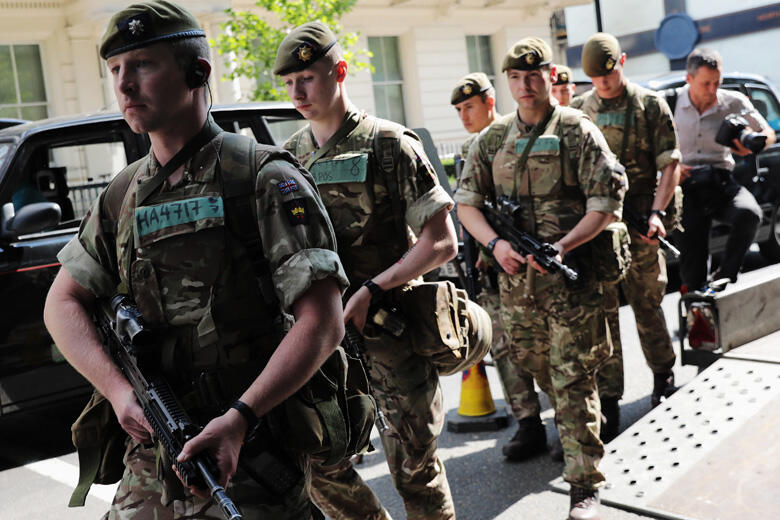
x,y
141,495
559,335
406,388
644,288
518,386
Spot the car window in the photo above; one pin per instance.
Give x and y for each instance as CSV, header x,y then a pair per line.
x,y
282,128
767,105
86,169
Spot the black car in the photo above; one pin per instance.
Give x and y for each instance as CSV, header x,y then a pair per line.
x,y
759,174
68,161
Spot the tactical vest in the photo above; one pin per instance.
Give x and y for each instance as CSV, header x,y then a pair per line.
x,y
547,185
360,189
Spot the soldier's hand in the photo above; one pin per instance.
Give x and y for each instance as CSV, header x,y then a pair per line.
x,y
356,309
509,259
131,417
655,228
222,438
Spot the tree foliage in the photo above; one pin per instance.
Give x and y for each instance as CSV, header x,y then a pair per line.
x,y
250,42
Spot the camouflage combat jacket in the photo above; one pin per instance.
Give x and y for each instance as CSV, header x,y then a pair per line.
x,y
569,172
190,274
356,193
652,141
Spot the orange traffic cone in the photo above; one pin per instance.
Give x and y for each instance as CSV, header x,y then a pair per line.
x,y
475,397
476,411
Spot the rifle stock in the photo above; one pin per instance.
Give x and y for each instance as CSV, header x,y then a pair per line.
x,y
128,340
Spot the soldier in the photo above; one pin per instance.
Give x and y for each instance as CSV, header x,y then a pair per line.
x,y
563,88
162,232
556,165
475,100
382,195
639,128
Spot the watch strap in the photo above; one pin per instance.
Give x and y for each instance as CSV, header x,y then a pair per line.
x,y
246,411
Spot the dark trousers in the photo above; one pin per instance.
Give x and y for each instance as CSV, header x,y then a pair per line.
x,y
741,212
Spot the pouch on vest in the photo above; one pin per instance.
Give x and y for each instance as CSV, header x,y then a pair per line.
x,y
454,332
609,253
331,416
100,443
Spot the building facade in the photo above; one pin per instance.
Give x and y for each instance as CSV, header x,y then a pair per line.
x,y
49,63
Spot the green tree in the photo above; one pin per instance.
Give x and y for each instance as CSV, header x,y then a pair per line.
x,y
251,41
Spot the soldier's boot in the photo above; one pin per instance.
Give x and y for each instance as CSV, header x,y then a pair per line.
x,y
610,418
663,387
529,440
584,504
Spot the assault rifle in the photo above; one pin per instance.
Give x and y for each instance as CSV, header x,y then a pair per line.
x,y
503,218
638,222
131,343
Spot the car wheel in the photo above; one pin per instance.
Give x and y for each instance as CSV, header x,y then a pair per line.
x,y
770,248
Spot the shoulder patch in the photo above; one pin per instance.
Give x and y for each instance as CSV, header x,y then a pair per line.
x,y
296,211
288,186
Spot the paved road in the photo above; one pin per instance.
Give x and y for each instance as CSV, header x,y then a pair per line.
x,y
37,476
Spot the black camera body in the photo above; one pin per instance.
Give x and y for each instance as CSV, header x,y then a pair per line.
x,y
735,126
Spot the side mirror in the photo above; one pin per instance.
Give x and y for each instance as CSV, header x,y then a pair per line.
x,y
31,218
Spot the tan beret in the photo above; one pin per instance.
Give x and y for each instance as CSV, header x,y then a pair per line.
x,y
600,54
528,54
564,75
469,86
303,46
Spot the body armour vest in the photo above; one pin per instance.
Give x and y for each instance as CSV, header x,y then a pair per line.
x,y
358,183
546,187
180,256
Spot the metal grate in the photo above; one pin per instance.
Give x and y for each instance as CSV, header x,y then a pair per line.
x,y
644,466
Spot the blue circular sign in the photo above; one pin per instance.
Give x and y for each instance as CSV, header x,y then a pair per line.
x,y
676,36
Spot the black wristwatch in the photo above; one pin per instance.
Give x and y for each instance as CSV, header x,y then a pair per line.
x,y
492,244
376,291
661,213
248,414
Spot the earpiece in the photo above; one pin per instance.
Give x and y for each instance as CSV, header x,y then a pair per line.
x,y
196,75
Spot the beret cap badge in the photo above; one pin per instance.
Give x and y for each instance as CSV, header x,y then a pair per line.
x,y
304,52
610,63
466,89
531,58
563,77
135,27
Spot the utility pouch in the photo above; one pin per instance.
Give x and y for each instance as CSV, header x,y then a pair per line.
x,y
100,443
454,332
331,416
609,253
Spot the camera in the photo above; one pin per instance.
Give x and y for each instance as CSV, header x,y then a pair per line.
x,y
734,126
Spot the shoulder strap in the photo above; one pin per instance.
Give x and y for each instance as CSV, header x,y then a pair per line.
x,y
627,123
387,151
115,194
238,168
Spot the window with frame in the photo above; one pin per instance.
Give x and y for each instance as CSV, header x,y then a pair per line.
x,y
480,55
387,79
22,89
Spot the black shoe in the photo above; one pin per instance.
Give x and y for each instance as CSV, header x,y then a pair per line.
x,y
584,504
663,387
610,419
529,440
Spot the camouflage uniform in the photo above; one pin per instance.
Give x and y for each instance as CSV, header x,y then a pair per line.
x,y
555,332
188,273
406,385
518,386
652,145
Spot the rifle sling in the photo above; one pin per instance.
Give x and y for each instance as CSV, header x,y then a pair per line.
x,y
209,131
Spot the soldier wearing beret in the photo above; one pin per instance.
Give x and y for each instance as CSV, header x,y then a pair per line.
x,y
554,163
163,232
640,130
563,88
382,195
474,97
